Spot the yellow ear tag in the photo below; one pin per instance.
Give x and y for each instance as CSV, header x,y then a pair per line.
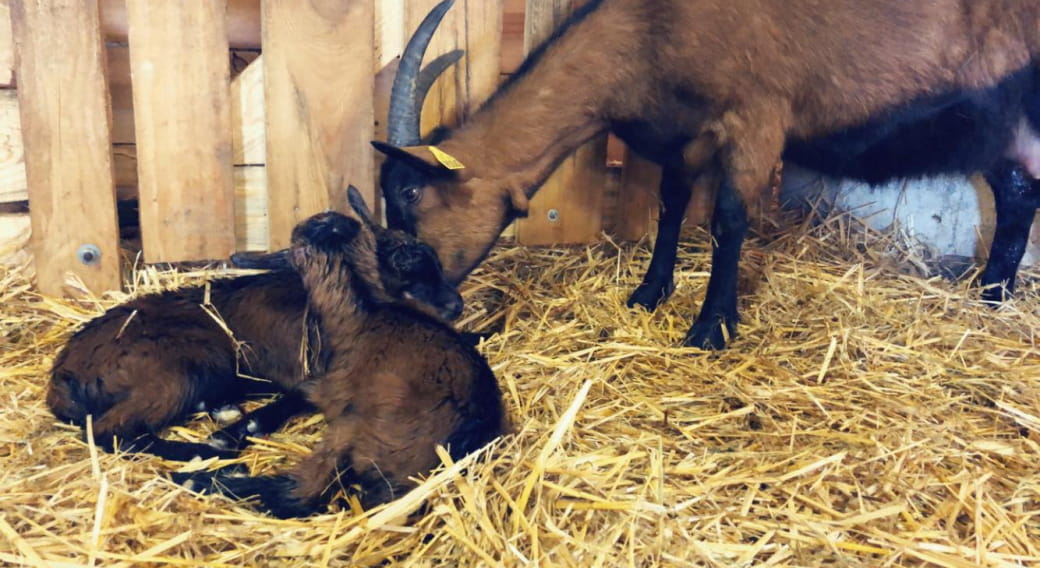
x,y
446,160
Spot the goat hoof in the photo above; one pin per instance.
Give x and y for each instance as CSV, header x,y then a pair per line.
x,y
226,414
995,296
230,438
709,335
650,295
199,481
204,482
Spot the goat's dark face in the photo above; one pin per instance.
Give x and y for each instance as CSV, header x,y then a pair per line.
x,y
457,213
409,269
399,264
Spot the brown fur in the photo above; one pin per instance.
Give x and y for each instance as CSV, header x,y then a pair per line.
x,y
396,384
141,365
392,384
737,77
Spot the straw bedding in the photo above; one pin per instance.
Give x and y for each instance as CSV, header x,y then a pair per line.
x,y
865,416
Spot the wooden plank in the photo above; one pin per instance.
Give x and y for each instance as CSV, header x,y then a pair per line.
x,y
319,116
180,69
512,35
120,88
247,142
248,134
68,161
569,206
6,46
474,26
251,208
389,31
15,234
13,186
243,22
639,198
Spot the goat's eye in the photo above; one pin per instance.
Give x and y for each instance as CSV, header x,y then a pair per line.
x,y
411,194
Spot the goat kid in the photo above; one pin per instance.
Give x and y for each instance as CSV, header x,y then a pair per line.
x,y
392,383
713,91
147,363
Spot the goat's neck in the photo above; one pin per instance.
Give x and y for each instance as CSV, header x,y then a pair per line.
x,y
337,300
519,137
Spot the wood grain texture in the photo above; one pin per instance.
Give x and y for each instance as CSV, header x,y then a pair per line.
x,y
474,26
6,45
68,161
251,208
569,206
243,21
13,185
15,236
318,66
182,109
248,132
638,205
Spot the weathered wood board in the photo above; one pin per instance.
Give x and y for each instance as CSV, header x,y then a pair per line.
x,y
13,185
65,111
319,117
182,115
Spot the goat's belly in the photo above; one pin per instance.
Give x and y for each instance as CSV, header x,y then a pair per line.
x,y
1025,148
659,142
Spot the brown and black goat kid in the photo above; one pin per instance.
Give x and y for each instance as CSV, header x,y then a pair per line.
x,y
147,363
392,383
715,92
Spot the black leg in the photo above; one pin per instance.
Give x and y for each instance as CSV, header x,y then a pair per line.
x,y
274,492
658,283
166,449
264,420
1017,197
278,260
473,339
728,227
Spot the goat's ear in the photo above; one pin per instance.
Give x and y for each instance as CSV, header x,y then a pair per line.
x,y
278,260
422,158
357,203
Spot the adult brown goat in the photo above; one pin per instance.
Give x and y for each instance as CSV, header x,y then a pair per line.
x,y
708,89
391,382
146,363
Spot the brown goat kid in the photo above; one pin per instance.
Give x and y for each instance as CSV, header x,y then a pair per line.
x,y
392,384
710,90
144,364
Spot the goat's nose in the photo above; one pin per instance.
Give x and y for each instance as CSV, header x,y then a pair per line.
x,y
452,306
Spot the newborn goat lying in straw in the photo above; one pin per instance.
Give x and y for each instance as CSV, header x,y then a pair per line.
x,y
149,362
392,384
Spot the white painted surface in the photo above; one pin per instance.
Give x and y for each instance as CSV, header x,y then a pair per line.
x,y
949,215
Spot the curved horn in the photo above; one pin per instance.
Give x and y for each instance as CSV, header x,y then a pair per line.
x,y
433,71
403,123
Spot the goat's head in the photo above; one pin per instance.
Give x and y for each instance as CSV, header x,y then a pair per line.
x,y
427,193
390,264
408,268
456,212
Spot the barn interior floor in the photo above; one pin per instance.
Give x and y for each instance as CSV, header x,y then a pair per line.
x,y
865,415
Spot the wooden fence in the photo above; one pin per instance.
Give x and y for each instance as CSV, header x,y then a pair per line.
x,y
231,120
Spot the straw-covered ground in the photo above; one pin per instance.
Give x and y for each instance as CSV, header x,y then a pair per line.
x,y
865,416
